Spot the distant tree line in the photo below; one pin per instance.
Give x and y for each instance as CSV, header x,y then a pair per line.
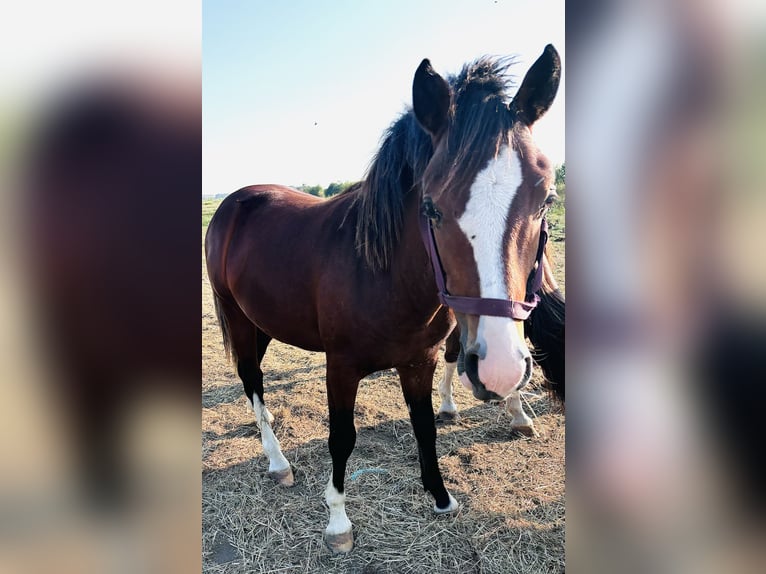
x,y
337,187
333,189
561,175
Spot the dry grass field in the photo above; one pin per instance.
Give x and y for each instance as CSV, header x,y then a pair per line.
x,y
511,488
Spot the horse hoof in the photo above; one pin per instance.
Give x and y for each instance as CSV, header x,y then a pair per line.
x,y
451,507
447,417
283,477
340,543
526,430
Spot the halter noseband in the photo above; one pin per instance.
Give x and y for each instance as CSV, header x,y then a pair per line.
x,y
518,310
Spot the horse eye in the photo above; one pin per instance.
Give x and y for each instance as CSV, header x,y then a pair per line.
x,y
551,197
430,210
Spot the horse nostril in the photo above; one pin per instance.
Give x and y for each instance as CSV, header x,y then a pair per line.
x,y
471,366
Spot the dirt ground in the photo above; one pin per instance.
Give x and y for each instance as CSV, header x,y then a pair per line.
x,y
511,488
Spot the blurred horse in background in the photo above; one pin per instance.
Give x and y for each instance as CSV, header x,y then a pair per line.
x,y
111,217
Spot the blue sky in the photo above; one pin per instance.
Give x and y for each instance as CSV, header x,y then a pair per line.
x,y
299,92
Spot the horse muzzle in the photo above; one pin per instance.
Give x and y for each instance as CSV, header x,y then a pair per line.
x,y
471,366
493,373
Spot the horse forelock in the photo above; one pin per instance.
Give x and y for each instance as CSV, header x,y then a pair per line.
x,y
480,123
487,73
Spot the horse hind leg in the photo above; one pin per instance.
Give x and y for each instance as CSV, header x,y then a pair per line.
x,y
254,385
250,372
248,344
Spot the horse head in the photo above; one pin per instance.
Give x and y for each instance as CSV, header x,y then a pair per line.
x,y
486,190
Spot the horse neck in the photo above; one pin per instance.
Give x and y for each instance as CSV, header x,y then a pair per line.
x,y
410,266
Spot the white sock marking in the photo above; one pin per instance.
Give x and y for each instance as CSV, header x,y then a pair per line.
x,y
445,389
451,507
263,419
336,502
516,410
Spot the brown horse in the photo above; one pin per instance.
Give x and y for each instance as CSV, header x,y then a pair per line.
x,y
350,276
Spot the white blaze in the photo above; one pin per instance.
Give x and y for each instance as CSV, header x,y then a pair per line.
x,y
502,352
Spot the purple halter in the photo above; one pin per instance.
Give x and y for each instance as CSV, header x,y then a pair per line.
x,y
518,310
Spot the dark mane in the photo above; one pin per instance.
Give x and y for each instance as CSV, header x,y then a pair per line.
x,y
401,159
477,130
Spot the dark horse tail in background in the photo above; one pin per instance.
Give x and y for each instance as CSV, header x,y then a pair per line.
x,y
447,226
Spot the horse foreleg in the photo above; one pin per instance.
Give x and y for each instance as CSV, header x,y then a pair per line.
x,y
416,386
448,410
520,422
342,385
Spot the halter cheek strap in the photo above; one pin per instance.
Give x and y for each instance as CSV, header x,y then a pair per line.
x,y
517,310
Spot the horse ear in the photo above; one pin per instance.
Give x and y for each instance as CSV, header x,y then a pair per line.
x,y
430,98
538,88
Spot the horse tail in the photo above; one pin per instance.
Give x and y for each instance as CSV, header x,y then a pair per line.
x,y
224,325
545,329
